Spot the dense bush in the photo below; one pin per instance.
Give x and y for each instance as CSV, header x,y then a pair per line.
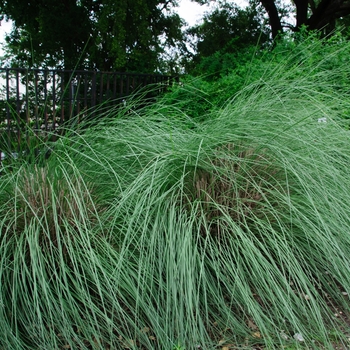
x,y
302,54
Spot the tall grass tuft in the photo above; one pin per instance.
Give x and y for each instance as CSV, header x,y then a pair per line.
x,y
145,233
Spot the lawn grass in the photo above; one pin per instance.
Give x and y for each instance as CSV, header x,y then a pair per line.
x,y
150,230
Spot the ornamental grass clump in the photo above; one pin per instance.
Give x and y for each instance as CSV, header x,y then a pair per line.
x,y
52,195
236,181
233,232
48,214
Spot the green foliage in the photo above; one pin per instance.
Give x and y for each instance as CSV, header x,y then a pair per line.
x,y
227,28
226,33
153,230
47,31
302,54
220,64
105,35
192,98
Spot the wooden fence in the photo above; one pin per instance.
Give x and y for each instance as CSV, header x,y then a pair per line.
x,y
46,99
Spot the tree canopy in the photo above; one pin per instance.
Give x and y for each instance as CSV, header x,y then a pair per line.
x,y
124,35
148,35
227,30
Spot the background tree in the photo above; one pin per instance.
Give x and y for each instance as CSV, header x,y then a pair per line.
x,y
122,35
226,33
133,35
313,14
228,27
46,32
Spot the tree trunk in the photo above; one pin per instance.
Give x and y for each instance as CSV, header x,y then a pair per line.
x,y
323,15
301,11
317,19
327,12
275,21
